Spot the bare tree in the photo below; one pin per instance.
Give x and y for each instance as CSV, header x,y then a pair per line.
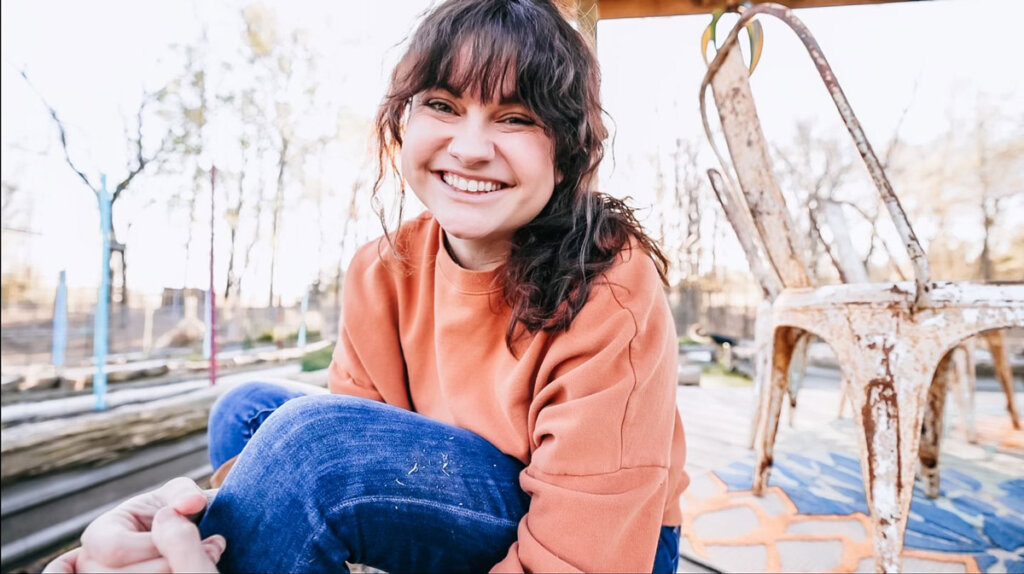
x,y
138,161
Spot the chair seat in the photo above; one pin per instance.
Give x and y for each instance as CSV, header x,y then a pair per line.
x,y
943,295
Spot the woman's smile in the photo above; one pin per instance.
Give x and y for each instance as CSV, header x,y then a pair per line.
x,y
470,184
470,190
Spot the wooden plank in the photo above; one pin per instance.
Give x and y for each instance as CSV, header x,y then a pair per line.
x,y
37,448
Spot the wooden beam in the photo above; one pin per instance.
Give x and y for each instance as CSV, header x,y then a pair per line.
x,y
611,9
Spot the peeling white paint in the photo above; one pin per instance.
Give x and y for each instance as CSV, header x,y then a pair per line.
x,y
970,316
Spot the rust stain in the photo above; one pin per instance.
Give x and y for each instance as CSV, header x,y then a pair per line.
x,y
881,391
896,290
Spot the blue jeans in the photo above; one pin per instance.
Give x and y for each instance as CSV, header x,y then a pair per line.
x,y
329,479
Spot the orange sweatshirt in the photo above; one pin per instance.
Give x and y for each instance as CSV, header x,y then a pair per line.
x,y
590,411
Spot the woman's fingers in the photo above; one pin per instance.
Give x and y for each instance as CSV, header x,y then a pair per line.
x,y
214,547
153,566
116,546
66,563
190,504
178,540
120,538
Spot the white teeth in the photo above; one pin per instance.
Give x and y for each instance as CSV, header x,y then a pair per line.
x,y
470,185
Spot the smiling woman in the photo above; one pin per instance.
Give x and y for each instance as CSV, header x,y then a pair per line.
x,y
504,380
484,170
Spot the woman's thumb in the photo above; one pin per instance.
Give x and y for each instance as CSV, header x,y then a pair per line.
x,y
177,539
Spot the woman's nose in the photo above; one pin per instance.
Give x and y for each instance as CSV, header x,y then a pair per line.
x,y
471,145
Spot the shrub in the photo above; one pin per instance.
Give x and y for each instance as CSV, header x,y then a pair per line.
x,y
317,360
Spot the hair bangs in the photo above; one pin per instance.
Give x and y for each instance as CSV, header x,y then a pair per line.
x,y
478,52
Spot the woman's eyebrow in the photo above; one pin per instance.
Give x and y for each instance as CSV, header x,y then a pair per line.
x,y
507,99
445,87
511,100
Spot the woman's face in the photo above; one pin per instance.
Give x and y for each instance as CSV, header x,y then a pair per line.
x,y
483,169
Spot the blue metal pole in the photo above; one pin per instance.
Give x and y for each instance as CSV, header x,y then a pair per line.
x,y
60,321
102,320
302,322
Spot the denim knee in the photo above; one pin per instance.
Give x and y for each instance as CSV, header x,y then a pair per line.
x,y
313,428
235,416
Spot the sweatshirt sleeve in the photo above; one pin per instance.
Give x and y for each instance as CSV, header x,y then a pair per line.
x,y
367,360
601,432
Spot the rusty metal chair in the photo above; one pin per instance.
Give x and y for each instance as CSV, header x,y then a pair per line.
x,y
893,341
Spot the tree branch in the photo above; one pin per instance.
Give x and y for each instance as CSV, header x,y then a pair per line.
x,y
140,160
60,128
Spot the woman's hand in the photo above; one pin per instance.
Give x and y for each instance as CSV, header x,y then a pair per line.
x,y
145,534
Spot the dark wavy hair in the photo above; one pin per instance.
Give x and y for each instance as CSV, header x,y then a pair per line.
x,y
554,259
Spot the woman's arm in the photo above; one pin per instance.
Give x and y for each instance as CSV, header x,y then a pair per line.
x,y
602,430
367,360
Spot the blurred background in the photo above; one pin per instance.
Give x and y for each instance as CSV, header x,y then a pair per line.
x,y
279,96
173,170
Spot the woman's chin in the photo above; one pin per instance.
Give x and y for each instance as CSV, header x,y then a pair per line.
x,y
466,230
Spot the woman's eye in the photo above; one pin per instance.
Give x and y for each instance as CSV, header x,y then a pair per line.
x,y
518,121
439,106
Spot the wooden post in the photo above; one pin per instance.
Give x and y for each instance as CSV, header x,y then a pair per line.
x,y
60,323
211,325
102,318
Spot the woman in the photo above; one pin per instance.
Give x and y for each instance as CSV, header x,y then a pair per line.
x,y
504,383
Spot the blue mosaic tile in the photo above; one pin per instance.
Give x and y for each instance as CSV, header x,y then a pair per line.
x,y
783,481
855,498
1014,565
985,561
1014,501
819,488
736,481
920,493
846,462
1015,485
935,531
854,480
796,474
973,506
945,520
809,463
808,503
741,467
915,539
1006,531
963,478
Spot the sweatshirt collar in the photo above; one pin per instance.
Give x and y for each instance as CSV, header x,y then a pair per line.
x,y
464,280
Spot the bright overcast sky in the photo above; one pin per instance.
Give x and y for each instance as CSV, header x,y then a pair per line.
x,y
93,59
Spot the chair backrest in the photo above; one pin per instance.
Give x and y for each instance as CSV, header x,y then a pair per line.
x,y
752,165
728,78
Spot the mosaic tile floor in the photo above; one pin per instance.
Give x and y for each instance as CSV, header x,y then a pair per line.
x,y
814,515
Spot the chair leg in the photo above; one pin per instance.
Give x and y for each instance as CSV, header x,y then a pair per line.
x,y
797,370
762,379
891,424
931,429
1001,363
762,365
844,394
961,383
782,352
